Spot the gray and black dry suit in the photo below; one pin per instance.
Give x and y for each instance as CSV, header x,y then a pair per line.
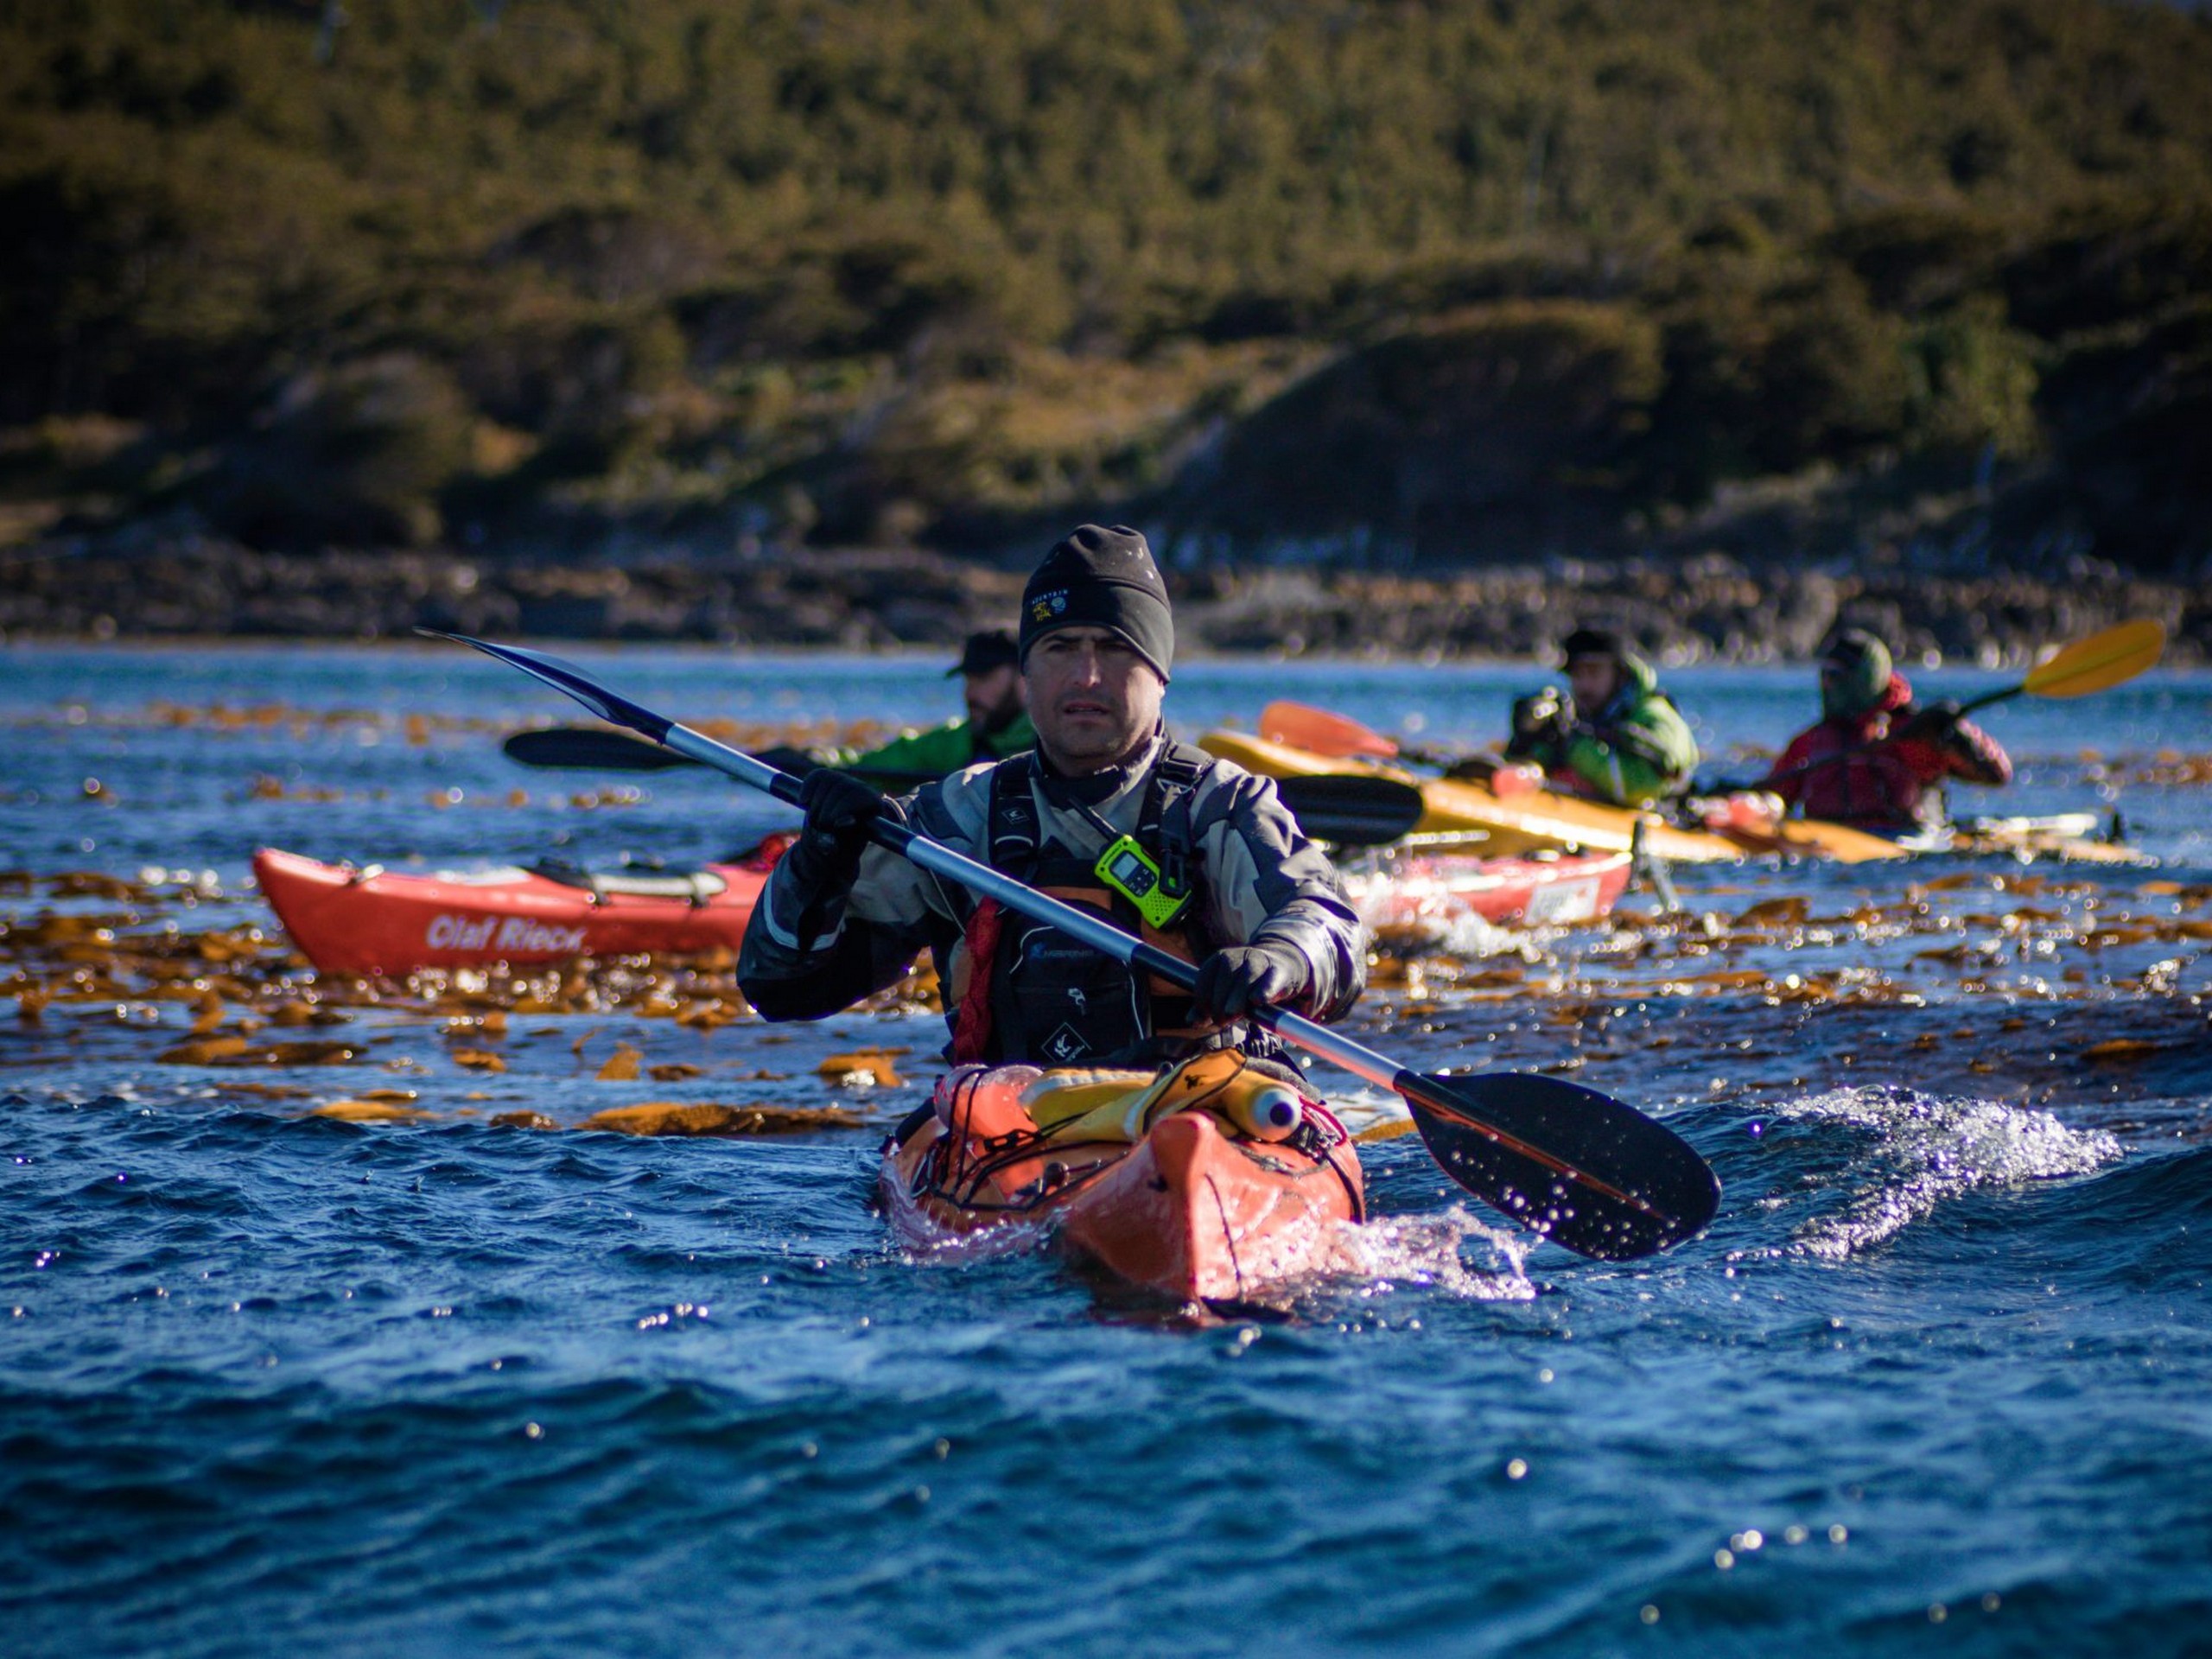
x,y
1050,1000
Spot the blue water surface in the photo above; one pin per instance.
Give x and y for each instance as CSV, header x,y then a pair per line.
x,y
1936,1382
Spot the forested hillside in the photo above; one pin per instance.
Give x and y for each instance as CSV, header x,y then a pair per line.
x,y
1370,279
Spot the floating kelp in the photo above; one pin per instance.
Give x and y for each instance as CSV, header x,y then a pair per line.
x,y
1749,989
677,1117
2169,768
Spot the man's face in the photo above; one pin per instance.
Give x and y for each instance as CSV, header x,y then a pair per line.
x,y
995,697
1594,680
1093,698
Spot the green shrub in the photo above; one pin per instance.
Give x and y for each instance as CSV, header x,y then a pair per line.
x,y
1973,381
354,454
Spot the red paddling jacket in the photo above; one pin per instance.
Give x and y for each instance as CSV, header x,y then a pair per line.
x,y
1895,784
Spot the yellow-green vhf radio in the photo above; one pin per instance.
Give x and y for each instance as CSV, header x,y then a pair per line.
x,y
1133,873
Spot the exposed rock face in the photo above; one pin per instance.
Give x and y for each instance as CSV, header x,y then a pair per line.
x,y
1706,608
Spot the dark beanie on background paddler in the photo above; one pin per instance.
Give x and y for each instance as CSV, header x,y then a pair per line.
x,y
1593,642
992,649
1102,577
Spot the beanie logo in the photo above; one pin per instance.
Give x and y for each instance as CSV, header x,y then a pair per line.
x,y
1046,607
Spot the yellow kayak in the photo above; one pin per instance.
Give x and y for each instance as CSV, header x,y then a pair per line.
x,y
1528,821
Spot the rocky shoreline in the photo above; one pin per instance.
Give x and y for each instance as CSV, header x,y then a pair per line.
x,y
1707,609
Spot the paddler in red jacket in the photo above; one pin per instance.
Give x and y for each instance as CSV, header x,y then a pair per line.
x,y
1108,812
1877,760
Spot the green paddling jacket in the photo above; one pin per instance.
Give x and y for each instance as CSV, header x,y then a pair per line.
x,y
1636,750
940,751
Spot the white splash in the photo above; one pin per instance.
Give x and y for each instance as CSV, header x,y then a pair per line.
x,y
1471,938
1453,1252
1927,1150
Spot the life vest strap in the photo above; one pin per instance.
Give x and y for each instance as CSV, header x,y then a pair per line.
x,y
1017,845
971,1031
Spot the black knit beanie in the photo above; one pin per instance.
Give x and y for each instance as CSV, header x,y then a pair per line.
x,y
1101,577
1593,642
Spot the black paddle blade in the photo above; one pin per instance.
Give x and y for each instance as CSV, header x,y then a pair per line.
x,y
1352,811
1566,1162
591,748
569,678
587,748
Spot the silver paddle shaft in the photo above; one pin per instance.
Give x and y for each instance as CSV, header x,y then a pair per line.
x,y
1087,926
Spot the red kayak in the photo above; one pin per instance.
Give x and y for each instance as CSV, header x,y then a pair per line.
x,y
370,922
1432,894
1212,1182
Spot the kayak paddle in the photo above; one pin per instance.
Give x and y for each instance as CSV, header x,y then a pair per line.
x,y
589,748
1323,731
1352,811
1320,731
593,748
1347,809
1580,1167
2097,664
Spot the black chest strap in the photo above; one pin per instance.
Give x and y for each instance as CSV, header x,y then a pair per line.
x,y
1017,835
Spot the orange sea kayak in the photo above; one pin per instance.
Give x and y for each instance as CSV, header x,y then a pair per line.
x,y
371,922
1212,1182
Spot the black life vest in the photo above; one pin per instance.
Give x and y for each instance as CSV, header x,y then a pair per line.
x,y
1034,993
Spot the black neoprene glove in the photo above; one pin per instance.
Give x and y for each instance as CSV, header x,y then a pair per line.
x,y
1540,714
840,813
1935,723
1232,980
1539,719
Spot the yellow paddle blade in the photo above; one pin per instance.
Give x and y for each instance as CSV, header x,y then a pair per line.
x,y
2100,661
1319,732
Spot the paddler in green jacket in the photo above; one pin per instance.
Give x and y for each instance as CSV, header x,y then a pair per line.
x,y
1614,737
997,724
1108,812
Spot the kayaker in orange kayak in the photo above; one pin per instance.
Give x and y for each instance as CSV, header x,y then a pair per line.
x,y
1211,1178
1614,737
1877,760
1108,812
